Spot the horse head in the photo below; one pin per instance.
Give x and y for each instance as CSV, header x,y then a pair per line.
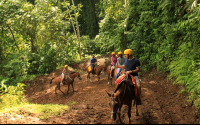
x,y
125,97
75,74
78,75
114,105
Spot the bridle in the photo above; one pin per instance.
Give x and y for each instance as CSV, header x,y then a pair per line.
x,y
120,101
112,104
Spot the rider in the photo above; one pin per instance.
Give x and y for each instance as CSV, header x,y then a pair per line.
x,y
120,61
113,63
63,74
93,63
132,67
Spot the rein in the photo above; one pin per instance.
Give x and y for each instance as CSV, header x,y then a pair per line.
x,y
70,77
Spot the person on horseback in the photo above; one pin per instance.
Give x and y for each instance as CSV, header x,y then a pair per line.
x,y
120,61
93,62
113,63
63,74
132,67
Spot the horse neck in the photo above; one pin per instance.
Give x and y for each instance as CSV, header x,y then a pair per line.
x,y
73,75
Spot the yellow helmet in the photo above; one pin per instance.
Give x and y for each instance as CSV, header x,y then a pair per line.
x,y
66,66
128,51
120,52
113,53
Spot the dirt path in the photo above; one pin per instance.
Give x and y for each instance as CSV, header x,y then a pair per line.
x,y
162,103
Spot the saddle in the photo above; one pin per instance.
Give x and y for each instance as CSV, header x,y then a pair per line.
x,y
123,77
60,77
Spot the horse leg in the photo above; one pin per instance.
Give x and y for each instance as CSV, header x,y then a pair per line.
x,y
98,78
73,87
136,110
68,88
129,112
110,81
60,89
89,77
108,78
56,89
119,113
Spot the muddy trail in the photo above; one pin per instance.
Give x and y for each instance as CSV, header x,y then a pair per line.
x,y
162,103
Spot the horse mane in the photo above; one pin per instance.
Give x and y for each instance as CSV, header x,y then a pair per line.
x,y
72,72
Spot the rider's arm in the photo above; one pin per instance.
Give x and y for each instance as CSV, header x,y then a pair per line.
x,y
63,70
95,62
122,66
111,60
136,70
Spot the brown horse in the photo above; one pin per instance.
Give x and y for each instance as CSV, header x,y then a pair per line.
x,y
114,72
68,80
127,94
97,71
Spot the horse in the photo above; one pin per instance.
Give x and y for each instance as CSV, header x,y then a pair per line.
x,y
67,80
127,94
113,74
97,71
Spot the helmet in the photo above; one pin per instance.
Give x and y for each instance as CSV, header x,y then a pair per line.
x,y
113,53
128,51
120,52
66,66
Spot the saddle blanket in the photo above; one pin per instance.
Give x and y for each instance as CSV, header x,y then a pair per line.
x,y
121,78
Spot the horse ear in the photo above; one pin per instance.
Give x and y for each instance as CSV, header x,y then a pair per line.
x,y
108,94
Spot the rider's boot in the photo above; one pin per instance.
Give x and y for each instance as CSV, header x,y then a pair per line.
x,y
61,84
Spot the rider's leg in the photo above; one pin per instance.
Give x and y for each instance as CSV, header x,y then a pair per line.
x,y
118,71
111,69
62,77
92,69
138,84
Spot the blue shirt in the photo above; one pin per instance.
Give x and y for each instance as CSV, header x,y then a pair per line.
x,y
93,61
132,65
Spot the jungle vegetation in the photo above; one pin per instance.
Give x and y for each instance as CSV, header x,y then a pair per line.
x,y
38,36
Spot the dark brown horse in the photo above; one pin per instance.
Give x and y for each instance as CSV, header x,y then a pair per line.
x,y
127,94
114,72
68,80
97,71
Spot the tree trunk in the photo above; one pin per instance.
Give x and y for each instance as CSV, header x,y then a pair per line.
x,y
96,28
13,37
71,20
78,32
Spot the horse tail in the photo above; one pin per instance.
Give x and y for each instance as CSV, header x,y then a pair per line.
x,y
52,80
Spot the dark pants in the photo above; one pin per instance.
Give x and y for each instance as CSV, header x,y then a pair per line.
x,y
93,69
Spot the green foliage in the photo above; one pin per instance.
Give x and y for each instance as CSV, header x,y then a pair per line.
x,y
162,34
11,96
